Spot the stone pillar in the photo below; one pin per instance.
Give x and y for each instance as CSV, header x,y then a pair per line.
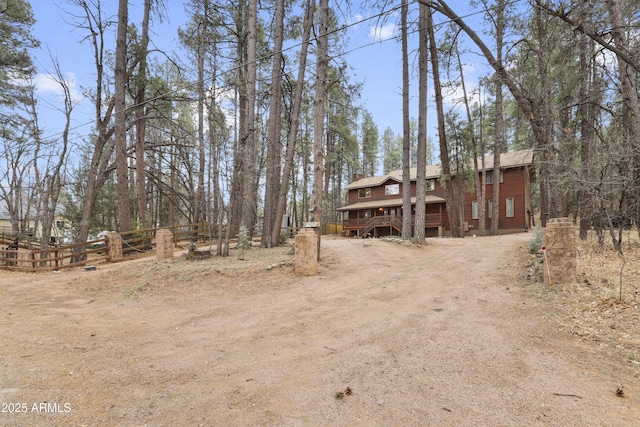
x,y
306,259
25,258
114,245
164,244
559,251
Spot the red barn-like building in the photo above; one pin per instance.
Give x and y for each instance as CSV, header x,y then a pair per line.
x,y
374,204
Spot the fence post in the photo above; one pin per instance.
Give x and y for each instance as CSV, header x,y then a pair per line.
x,y
175,235
23,258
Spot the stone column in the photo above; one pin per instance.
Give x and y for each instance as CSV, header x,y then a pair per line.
x,y
559,251
114,244
164,244
25,258
306,259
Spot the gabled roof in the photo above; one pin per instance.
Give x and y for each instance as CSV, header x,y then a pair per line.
x,y
513,159
432,171
508,160
374,181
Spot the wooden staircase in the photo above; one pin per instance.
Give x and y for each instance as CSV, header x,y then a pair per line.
x,y
381,221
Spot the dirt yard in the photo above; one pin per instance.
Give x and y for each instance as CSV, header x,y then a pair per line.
x,y
386,334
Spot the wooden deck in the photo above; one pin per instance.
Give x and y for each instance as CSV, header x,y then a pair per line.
x,y
370,226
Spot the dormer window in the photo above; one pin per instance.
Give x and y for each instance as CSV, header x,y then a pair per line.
x,y
392,190
364,193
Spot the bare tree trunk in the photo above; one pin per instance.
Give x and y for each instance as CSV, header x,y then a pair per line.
x,y
122,170
587,126
248,140
548,208
199,205
421,164
499,123
234,214
482,214
219,208
54,180
318,116
295,120
141,120
98,168
477,151
274,145
406,130
629,96
452,204
173,186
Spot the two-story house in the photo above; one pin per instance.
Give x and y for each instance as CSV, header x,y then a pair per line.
x,y
374,204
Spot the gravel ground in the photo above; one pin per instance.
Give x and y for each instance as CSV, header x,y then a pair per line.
x,y
386,334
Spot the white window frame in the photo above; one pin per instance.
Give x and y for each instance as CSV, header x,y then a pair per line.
x,y
392,189
490,213
510,207
366,191
431,184
475,210
489,176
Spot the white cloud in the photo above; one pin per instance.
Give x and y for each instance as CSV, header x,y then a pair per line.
x,y
355,20
47,84
382,32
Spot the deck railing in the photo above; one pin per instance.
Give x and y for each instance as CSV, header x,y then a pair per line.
x,y
431,220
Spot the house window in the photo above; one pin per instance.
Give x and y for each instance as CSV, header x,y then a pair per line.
x,y
60,224
364,193
510,208
431,184
475,210
489,176
364,214
490,215
392,190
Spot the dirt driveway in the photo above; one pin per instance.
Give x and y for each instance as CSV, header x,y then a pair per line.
x,y
385,335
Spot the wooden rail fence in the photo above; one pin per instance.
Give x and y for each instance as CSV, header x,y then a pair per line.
x,y
94,251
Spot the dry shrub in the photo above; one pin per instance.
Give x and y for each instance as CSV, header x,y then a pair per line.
x,y
592,307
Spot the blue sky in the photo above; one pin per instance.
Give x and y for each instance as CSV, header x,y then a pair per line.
x,y
374,56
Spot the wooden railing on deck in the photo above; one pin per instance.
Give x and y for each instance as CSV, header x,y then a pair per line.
x,y
365,225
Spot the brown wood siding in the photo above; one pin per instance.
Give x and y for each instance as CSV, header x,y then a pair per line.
x,y
516,184
377,193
